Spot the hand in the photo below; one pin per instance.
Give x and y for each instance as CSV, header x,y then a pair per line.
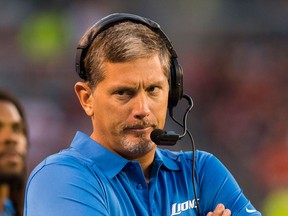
x,y
220,211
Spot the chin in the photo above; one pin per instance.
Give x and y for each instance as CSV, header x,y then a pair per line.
x,y
137,146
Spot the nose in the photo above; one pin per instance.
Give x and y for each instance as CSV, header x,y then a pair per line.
x,y
141,106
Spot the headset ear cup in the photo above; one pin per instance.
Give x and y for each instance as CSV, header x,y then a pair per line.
x,y
176,84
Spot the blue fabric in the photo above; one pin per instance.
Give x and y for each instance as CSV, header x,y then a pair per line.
x,y
8,209
87,179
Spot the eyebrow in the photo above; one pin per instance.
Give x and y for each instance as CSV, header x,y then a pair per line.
x,y
13,123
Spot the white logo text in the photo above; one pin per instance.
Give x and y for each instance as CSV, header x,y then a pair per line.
x,y
178,208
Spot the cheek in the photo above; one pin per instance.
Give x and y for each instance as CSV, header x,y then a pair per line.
x,y
22,145
160,114
108,114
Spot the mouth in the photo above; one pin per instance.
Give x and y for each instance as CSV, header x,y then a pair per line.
x,y
10,156
138,128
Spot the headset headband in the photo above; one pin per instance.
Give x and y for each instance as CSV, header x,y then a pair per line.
x,y
176,74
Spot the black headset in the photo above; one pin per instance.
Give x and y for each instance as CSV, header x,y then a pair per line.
x,y
176,73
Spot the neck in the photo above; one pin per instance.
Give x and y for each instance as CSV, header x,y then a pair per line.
x,y
4,194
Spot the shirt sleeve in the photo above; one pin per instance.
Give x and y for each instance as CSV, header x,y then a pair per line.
x,y
62,189
217,185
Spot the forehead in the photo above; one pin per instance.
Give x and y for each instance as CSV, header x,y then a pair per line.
x,y
8,112
141,69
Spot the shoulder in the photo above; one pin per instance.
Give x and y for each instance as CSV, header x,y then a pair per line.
x,y
71,185
200,156
204,161
67,163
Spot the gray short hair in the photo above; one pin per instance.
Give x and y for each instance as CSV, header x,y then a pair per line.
x,y
123,42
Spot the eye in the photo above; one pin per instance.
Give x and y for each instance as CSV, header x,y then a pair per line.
x,y
151,89
17,128
120,92
124,93
154,90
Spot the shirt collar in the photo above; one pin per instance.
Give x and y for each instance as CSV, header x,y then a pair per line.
x,y
167,159
110,163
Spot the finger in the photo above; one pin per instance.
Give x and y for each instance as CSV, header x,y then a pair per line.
x,y
219,209
226,212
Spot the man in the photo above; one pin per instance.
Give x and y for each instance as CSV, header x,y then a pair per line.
x,y
131,76
13,149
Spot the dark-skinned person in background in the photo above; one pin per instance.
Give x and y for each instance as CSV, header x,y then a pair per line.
x,y
13,152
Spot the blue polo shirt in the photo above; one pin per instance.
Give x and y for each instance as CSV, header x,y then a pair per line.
x,y
87,179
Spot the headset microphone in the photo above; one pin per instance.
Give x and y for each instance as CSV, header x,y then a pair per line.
x,y
161,137
170,138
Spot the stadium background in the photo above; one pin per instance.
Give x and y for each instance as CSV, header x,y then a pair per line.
x,y
234,56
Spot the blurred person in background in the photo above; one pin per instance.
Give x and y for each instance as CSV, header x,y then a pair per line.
x,y
13,150
131,76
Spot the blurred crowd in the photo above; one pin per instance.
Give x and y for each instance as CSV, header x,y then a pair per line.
x,y
234,56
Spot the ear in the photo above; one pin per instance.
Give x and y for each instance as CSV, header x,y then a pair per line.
x,y
84,94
